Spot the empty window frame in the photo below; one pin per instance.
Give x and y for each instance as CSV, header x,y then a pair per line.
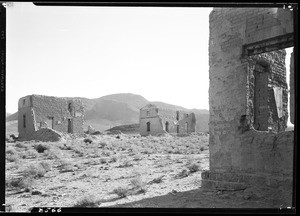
x,y
167,126
177,115
24,121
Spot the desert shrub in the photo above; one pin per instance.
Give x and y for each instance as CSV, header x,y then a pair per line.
x,y
137,158
35,171
156,180
20,145
113,159
126,163
46,165
102,144
193,167
40,148
66,147
106,153
177,151
29,154
103,160
78,151
87,201
137,182
184,173
50,154
11,151
12,157
146,151
88,140
21,183
121,191
65,164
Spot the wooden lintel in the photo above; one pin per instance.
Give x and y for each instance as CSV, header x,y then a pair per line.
x,y
272,44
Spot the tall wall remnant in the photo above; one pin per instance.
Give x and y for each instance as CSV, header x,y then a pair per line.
x,y
292,89
248,99
154,121
41,117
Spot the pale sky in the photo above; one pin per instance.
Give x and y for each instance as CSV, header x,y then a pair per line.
x,y
159,53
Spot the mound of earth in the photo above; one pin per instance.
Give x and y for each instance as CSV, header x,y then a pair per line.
x,y
127,129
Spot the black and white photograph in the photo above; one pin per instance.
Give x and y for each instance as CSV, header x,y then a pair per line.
x,y
160,106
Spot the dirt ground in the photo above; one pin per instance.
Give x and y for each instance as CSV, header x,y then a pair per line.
x,y
116,171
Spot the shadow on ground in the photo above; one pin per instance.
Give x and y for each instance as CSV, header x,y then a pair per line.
x,y
202,199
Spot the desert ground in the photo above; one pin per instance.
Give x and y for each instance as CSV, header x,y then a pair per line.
x,y
116,170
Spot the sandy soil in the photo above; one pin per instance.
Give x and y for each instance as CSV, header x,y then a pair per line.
x,y
116,171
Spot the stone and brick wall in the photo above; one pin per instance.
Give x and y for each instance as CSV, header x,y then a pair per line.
x,y
274,66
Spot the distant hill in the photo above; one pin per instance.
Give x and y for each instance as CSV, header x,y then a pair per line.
x,y
12,117
123,109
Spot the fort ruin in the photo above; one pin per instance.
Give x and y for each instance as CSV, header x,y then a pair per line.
x,y
248,99
155,121
41,117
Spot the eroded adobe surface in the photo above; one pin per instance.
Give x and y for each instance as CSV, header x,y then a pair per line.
x,y
39,117
248,96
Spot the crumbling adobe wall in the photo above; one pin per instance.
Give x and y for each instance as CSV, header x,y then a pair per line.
x,y
229,91
191,122
240,156
183,117
156,126
37,110
292,90
25,109
150,114
57,108
159,117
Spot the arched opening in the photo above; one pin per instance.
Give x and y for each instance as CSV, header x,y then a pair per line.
x,y
148,126
70,108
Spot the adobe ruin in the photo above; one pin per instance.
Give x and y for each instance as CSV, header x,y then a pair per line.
x,y
248,99
43,117
155,121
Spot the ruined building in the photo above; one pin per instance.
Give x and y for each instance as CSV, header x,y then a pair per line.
x,y
248,100
154,121
41,117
